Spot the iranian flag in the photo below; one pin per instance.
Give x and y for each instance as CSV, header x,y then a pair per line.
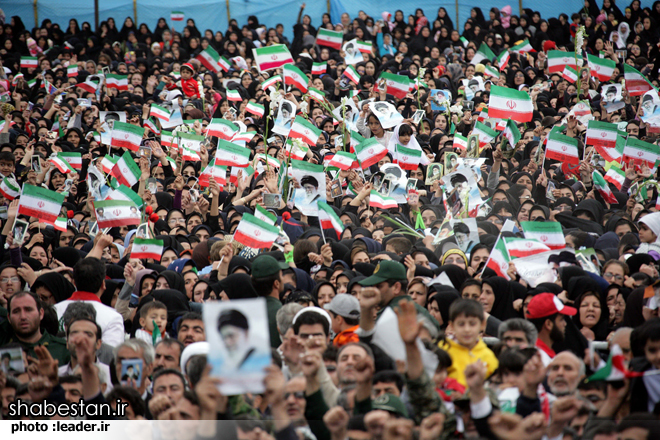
x,y
166,138
615,368
396,85
636,83
255,233
245,174
222,128
569,74
613,154
548,233
255,109
73,159
503,59
40,202
229,154
485,133
511,132
615,175
150,123
147,248
210,59
61,164
509,103
523,247
460,142
271,57
305,130
364,46
352,74
558,60
377,200
190,141
9,188
60,224
125,193
295,77
601,68
369,152
114,81
262,214
319,68
342,160
72,71
562,148
271,81
88,86
407,158
126,136
491,71
498,260
523,47
176,16
218,173
267,159
329,38
111,213
108,163
295,150
189,155
234,95
316,94
159,112
126,171
603,188
484,53
637,150
243,137
29,62
601,134
329,219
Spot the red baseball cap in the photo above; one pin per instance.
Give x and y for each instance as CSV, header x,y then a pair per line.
x,y
547,304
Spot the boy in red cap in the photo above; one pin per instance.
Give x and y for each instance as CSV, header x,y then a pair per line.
x,y
547,312
188,83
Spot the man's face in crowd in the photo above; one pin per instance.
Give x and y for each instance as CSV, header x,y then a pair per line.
x,y
294,398
652,352
564,374
380,388
25,317
167,356
8,396
73,392
85,330
313,335
515,338
191,331
169,385
348,358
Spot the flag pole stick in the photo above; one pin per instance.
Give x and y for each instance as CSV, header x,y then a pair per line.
x,y
323,235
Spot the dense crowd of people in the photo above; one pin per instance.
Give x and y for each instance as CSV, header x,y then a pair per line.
x,y
484,351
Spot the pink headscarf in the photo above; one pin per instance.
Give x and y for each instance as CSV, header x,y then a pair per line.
x,y
505,14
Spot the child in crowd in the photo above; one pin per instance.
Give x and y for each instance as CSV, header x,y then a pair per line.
x,y
466,321
152,315
646,340
448,387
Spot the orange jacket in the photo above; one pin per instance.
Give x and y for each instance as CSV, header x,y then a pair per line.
x,y
346,336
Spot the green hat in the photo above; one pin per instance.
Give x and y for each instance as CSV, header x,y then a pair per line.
x,y
265,266
390,403
386,270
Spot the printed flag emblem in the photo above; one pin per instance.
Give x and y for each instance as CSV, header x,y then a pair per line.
x,y
544,238
511,104
41,204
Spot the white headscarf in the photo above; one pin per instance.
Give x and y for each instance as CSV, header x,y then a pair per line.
x,y
653,222
623,36
413,144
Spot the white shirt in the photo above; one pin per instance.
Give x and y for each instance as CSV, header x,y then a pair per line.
x,y
110,321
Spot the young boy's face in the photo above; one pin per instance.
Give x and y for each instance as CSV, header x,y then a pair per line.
x,y
467,329
158,315
185,74
652,352
440,377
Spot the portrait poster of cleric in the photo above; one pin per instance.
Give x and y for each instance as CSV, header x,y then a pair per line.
x,y
237,332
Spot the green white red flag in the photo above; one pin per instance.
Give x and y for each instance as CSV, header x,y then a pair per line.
x,y
522,47
73,159
41,203
603,188
125,193
601,68
295,77
255,109
159,112
305,130
508,103
523,247
460,142
352,74
29,62
498,260
377,200
562,148
9,188
232,155
491,71
270,82
548,233
222,128
503,60
108,162
61,164
615,369
262,214
271,57
147,248
234,95
364,46
319,68
177,16
615,175
295,150
601,134
329,38
316,95
72,71
126,136
342,160
636,83
485,133
369,152
210,59
329,219
484,53
569,74
126,171
218,173
396,85
558,60
511,132
111,213
255,233
151,124
407,158
637,151
114,81
166,138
